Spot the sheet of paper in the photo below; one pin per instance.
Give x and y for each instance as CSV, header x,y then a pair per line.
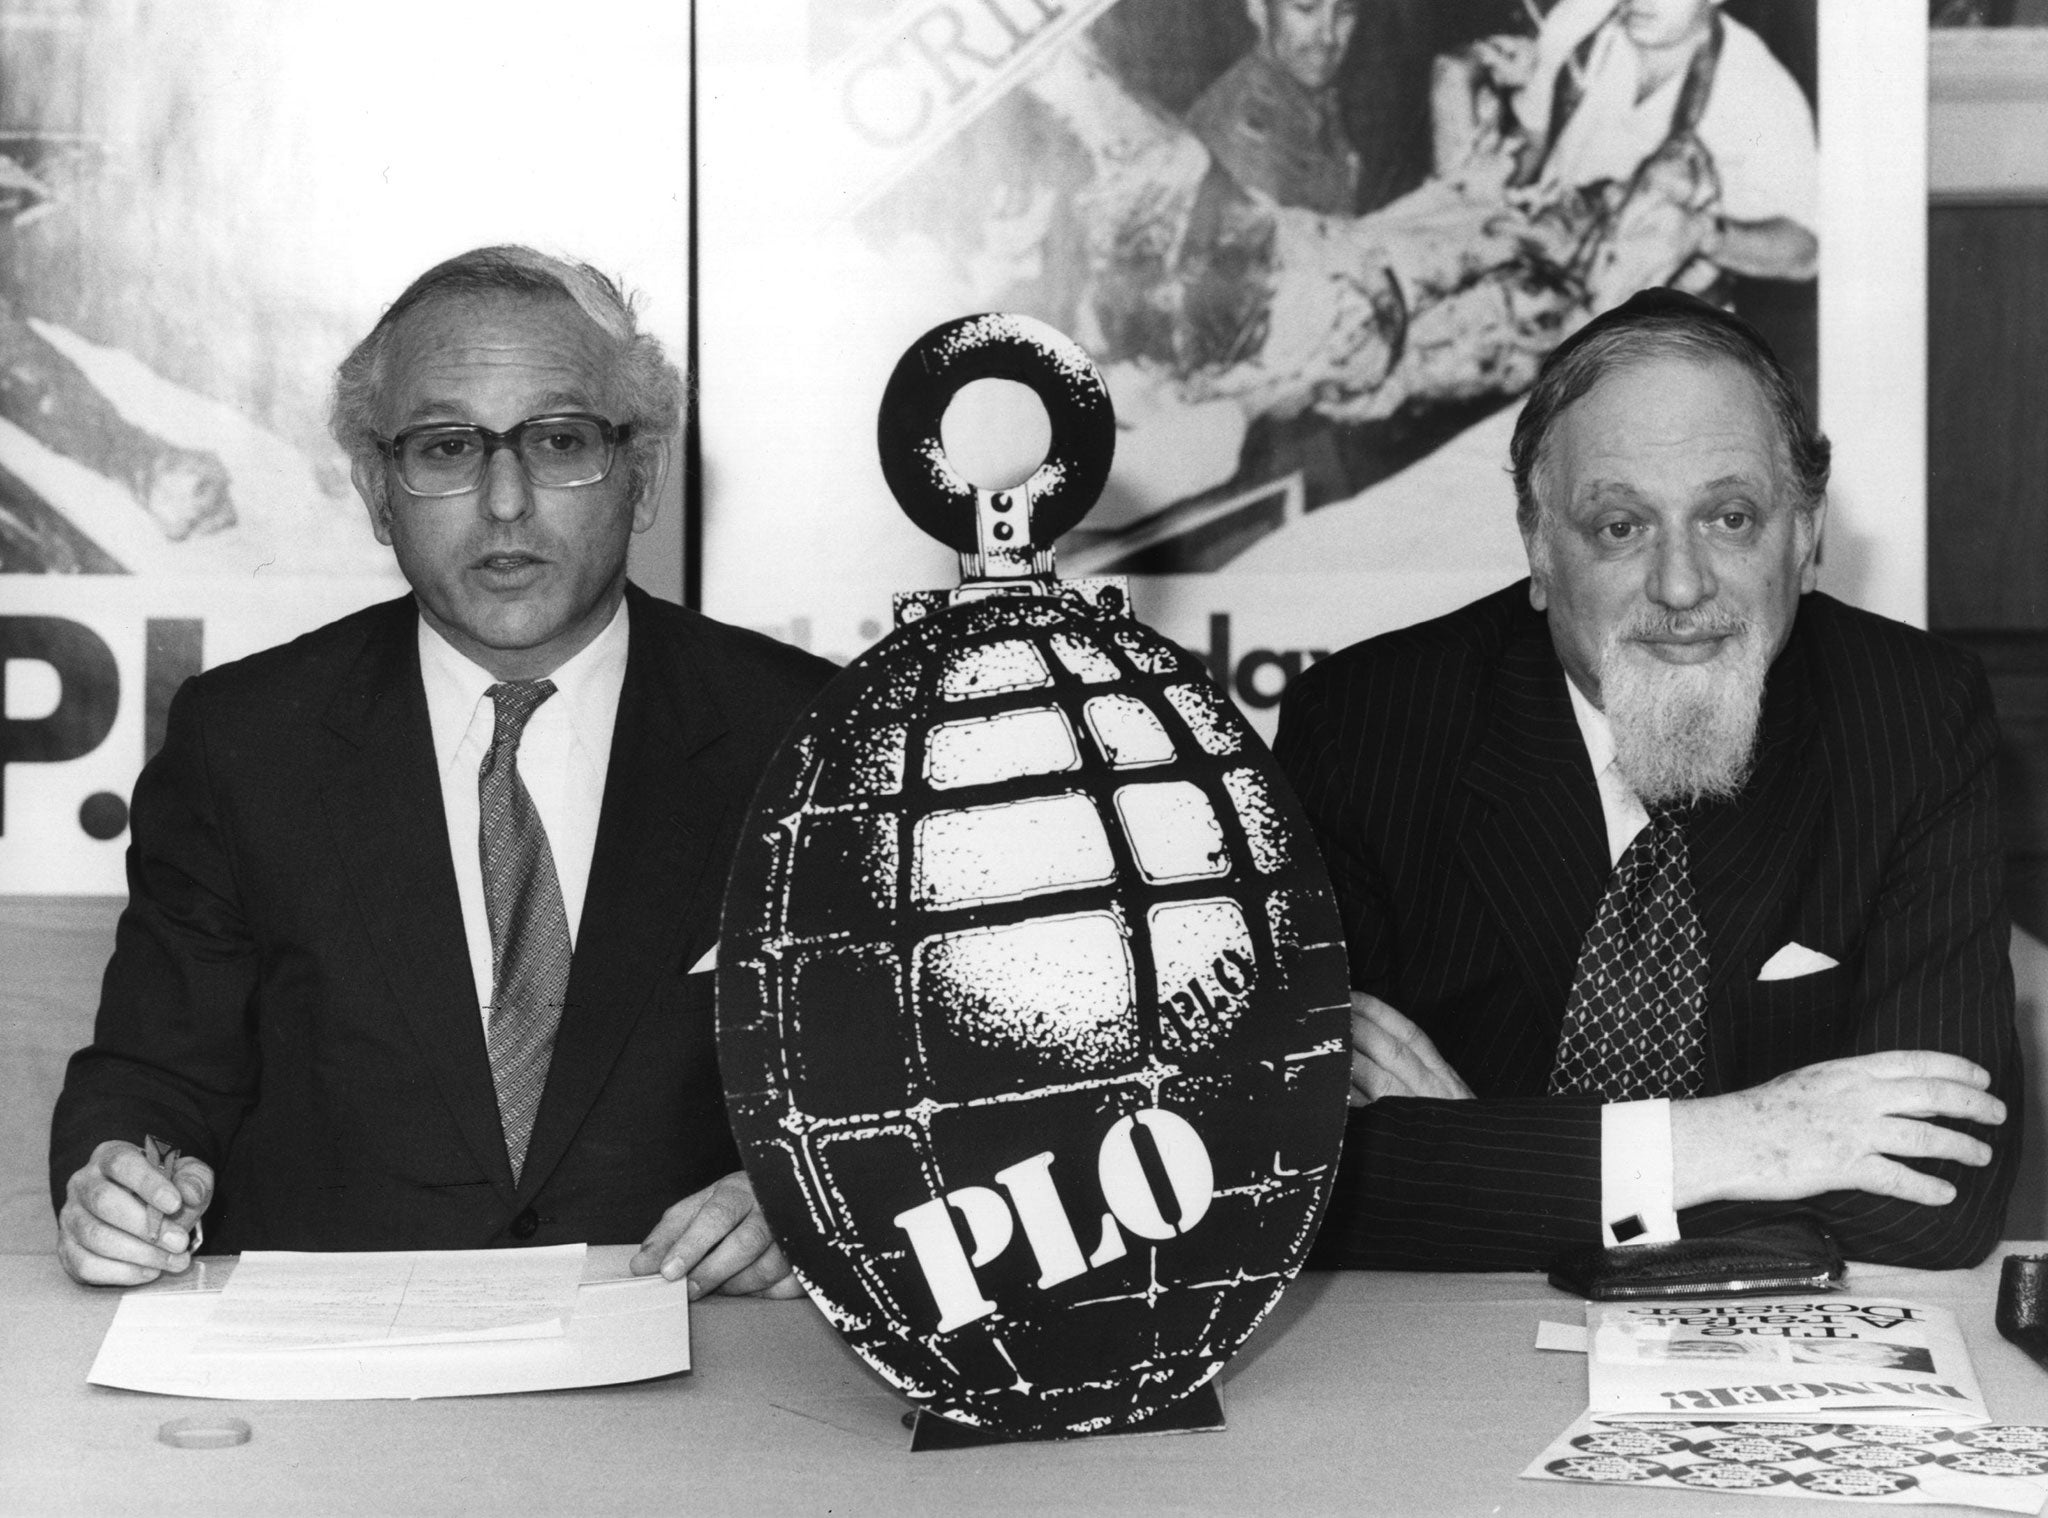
x,y
622,1330
1568,1337
1835,1357
288,1300
2000,1467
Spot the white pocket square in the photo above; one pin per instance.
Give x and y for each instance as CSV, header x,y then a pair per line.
x,y
1794,960
710,961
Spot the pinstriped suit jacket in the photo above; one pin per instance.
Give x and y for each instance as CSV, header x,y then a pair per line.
x,y
1455,805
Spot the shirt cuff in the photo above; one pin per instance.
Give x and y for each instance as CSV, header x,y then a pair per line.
x,y
1635,1174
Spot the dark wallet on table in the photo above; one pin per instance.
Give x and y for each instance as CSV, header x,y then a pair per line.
x,y
1790,1254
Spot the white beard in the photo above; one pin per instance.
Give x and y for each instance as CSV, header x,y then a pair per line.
x,y
1684,732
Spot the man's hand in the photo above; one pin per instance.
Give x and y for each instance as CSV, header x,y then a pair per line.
x,y
1833,1127
123,1223
1390,1056
718,1237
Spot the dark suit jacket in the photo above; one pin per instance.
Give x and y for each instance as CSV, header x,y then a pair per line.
x,y
290,995
1457,810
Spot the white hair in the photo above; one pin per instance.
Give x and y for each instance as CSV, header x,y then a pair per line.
x,y
1684,732
647,385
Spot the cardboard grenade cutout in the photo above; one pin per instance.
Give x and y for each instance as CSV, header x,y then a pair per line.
x,y
1033,1012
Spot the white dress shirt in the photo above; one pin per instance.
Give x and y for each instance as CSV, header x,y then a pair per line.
x,y
1635,1137
563,754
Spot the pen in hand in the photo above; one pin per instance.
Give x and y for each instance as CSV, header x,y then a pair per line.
x,y
164,1160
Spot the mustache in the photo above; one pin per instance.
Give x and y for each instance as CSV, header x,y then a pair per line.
x,y
1709,624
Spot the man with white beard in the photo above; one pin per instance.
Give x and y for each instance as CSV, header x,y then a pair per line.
x,y
1672,887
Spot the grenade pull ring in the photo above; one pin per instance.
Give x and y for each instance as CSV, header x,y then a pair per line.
x,y
1003,534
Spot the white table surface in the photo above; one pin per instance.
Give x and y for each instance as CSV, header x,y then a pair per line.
x,y
1362,1393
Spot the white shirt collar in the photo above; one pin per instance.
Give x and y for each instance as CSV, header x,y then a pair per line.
x,y
1593,727
1620,808
586,695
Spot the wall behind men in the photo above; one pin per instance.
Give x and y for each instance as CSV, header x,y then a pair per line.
x,y
1987,384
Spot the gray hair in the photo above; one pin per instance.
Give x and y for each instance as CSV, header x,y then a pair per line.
x,y
1653,324
649,388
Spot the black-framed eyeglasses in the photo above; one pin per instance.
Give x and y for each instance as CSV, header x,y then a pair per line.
x,y
561,450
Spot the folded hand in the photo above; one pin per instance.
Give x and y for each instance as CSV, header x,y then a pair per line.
x,y
719,1239
1390,1056
1843,1125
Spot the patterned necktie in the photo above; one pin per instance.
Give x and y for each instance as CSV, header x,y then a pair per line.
x,y
529,925
1633,1022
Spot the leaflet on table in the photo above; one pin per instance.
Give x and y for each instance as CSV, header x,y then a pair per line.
x,y
2004,1468
1791,1358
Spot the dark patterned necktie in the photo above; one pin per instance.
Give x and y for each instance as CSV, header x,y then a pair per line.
x,y
1634,1020
529,925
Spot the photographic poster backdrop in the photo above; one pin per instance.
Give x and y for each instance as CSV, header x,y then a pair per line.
x,y
202,206
1318,250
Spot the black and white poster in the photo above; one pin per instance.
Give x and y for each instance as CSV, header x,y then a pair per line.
x,y
202,207
1318,248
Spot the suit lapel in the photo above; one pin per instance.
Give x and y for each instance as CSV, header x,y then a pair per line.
x,y
656,878
1535,845
1745,854
383,803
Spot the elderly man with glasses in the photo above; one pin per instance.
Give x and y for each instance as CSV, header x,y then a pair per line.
x,y
422,906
